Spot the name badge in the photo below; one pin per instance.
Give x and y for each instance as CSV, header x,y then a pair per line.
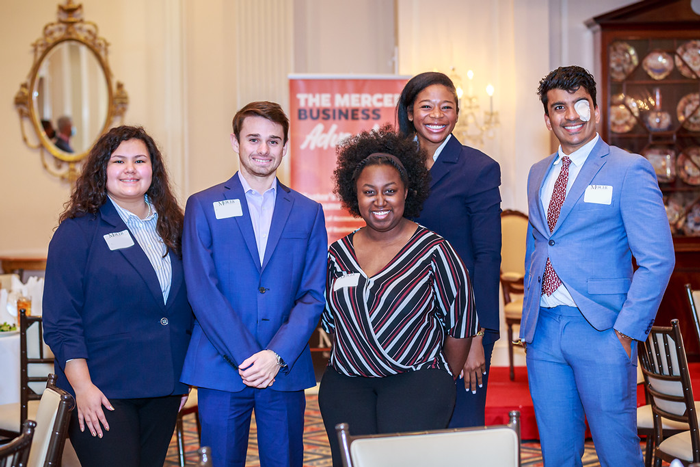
x,y
349,280
598,194
228,208
119,240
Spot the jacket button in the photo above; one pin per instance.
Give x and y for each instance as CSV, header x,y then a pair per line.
x,y
164,321
539,279
551,243
261,289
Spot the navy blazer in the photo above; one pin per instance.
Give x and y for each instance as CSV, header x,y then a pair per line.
x,y
464,207
107,307
243,307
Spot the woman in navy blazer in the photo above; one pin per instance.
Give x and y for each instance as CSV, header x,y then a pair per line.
x,y
464,207
116,313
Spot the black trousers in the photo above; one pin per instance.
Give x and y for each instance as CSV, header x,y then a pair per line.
x,y
413,401
139,433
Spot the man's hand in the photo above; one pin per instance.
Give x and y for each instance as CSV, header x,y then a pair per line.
x,y
259,370
626,342
475,366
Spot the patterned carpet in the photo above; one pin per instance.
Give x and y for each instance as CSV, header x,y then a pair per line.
x,y
317,452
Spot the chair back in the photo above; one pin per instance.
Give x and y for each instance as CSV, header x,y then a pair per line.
x,y
16,452
26,392
495,446
514,232
667,380
52,418
694,302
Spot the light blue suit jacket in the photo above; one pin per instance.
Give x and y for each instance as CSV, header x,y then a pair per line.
x,y
592,245
242,307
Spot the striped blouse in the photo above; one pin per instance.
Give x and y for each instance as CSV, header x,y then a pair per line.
x,y
396,321
144,230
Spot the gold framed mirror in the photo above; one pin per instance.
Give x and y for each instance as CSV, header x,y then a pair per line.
x,y
68,96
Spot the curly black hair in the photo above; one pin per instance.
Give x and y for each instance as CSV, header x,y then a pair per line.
x,y
90,191
351,160
568,78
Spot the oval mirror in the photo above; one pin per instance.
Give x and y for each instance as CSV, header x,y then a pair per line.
x,y
68,96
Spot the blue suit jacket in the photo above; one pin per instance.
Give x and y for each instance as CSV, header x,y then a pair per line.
x,y
242,307
107,307
464,207
592,245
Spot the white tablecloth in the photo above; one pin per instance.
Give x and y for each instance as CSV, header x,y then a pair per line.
x,y
9,361
9,364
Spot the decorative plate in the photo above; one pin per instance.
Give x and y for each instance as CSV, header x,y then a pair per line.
x,y
689,165
658,64
688,111
692,222
621,119
623,60
658,120
690,53
674,207
664,162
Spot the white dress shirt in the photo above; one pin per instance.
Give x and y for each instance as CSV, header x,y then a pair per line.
x,y
260,207
561,296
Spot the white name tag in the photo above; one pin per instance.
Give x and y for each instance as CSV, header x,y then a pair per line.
x,y
349,280
119,240
228,208
598,194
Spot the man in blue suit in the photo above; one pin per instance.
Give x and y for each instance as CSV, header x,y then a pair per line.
x,y
254,255
592,208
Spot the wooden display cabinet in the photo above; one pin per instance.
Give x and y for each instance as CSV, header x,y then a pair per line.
x,y
648,73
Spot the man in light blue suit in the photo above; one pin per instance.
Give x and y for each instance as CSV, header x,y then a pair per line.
x,y
592,208
254,255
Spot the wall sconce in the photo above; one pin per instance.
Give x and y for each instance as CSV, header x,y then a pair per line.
x,y
468,127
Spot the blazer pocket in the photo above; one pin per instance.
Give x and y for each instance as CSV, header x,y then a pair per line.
x,y
609,286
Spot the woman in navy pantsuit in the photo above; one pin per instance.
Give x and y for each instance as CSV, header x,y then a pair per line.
x,y
116,313
464,207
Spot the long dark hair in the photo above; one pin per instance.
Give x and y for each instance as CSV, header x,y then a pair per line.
x,y
90,191
408,96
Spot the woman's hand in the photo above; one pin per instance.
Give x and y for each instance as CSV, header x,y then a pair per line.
x,y
88,397
90,401
475,366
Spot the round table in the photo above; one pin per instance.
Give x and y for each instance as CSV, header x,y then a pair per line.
x,y
9,362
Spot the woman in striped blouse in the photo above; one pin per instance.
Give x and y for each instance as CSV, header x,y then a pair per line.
x,y
116,313
399,303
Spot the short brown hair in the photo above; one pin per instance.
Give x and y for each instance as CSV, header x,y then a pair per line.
x,y
268,110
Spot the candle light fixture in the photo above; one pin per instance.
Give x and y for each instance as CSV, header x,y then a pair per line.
x,y
468,127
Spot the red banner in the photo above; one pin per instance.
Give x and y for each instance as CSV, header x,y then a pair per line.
x,y
323,112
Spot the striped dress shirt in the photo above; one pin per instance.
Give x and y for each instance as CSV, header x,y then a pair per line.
x,y
144,230
397,320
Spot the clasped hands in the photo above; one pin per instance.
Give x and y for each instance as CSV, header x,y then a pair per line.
x,y
259,370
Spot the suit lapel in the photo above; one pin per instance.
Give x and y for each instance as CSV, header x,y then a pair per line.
x,y
134,254
445,163
591,166
177,277
234,190
283,206
536,184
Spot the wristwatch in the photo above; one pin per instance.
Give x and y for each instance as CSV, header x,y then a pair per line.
x,y
280,362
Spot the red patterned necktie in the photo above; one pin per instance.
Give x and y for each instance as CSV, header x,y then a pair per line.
x,y
551,281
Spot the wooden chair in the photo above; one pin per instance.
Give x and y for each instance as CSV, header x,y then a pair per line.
x,y
191,407
670,391
694,302
495,446
13,415
52,419
16,452
514,228
645,416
